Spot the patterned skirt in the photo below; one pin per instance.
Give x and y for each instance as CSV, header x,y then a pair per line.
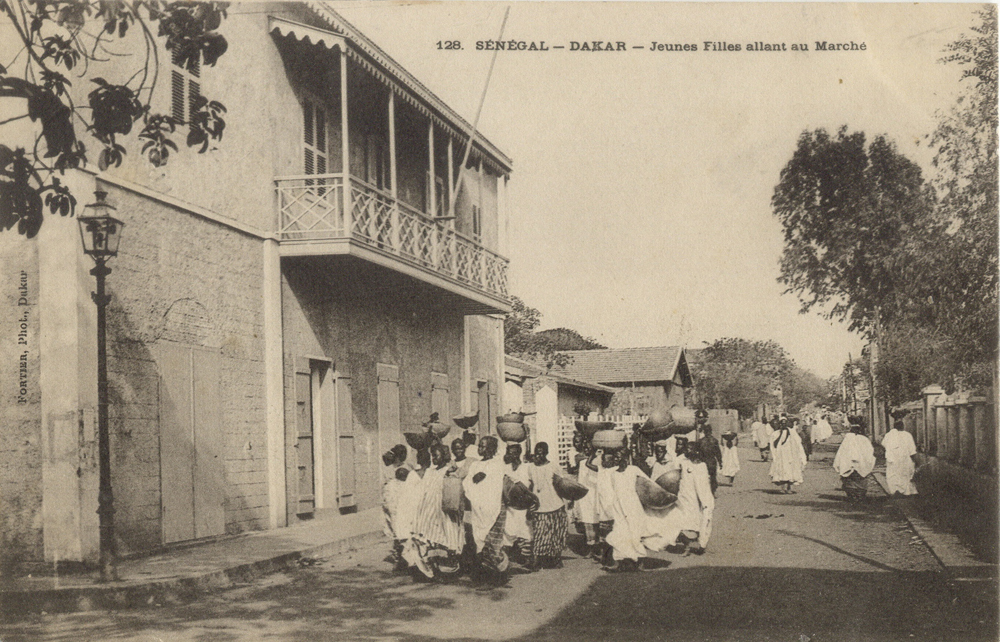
x,y
548,533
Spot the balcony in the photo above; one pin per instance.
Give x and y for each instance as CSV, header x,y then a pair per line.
x,y
316,217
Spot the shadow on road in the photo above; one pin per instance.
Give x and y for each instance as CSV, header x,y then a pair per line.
x,y
747,604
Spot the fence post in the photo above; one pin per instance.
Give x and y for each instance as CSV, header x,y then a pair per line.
x,y
931,394
985,434
966,435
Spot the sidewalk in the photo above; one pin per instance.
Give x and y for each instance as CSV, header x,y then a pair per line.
x,y
182,572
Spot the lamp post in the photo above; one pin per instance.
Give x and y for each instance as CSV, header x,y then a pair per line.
x,y
101,233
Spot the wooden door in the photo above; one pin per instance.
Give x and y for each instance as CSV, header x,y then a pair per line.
x,y
192,477
346,497
304,444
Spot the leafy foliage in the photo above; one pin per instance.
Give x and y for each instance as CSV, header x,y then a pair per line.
x,y
58,38
567,339
523,341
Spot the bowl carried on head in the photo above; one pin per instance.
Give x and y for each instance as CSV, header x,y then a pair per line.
x,y
609,439
466,421
417,440
512,432
589,428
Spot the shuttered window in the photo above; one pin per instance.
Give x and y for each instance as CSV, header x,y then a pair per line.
x,y
316,151
185,87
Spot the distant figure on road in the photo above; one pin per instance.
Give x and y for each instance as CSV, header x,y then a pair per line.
x,y
730,458
854,461
762,432
788,457
711,455
822,430
899,465
804,430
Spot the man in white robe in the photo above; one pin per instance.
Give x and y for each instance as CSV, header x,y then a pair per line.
x,y
854,461
899,466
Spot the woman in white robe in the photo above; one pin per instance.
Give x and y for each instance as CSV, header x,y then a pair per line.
x,y
437,536
691,514
854,461
483,486
730,456
631,523
788,458
822,430
899,466
517,533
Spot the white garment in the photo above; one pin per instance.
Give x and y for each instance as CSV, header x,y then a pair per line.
x,y
541,485
788,458
899,450
692,511
761,434
821,431
586,508
631,523
730,461
410,494
516,525
605,493
485,498
855,454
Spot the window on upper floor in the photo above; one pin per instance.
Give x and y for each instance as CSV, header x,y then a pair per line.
x,y
185,87
477,223
316,151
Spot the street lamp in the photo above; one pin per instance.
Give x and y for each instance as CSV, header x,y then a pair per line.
x,y
101,233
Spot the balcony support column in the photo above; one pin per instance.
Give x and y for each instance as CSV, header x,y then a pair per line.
x,y
392,171
432,187
451,180
346,147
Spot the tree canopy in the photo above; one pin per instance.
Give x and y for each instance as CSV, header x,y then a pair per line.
x,y
111,51
546,347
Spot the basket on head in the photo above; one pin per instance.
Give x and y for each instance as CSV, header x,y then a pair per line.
x,y
568,489
512,432
417,440
589,428
452,499
652,495
466,421
517,496
608,439
670,481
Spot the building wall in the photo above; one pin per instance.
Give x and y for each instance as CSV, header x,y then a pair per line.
x,y
183,280
485,345
356,317
571,396
20,404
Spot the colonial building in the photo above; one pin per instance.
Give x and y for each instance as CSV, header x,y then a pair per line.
x,y
283,307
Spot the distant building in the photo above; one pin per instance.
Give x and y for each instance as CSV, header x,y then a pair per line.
x,y
646,379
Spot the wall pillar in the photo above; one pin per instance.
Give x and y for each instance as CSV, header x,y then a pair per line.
x,y
67,347
984,435
966,434
930,395
274,393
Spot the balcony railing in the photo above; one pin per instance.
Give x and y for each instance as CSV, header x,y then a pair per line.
x,y
311,208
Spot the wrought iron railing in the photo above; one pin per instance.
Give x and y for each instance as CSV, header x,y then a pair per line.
x,y
312,208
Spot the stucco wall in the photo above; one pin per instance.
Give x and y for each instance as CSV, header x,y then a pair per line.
x,y
168,258
358,317
20,438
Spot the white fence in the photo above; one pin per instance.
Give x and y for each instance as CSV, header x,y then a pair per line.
x,y
567,425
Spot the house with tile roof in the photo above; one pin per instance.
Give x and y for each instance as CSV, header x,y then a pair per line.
x,y
645,379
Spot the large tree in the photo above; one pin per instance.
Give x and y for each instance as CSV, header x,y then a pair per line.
x,y
740,374
848,209
110,50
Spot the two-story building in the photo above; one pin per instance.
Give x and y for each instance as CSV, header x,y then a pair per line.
x,y
283,307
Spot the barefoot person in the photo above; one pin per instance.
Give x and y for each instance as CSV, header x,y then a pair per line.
x,y
517,533
548,522
483,487
437,536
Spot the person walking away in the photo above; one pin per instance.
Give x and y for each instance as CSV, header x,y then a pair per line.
x,y
518,534
730,456
854,461
762,432
822,430
899,465
483,487
548,522
711,454
788,459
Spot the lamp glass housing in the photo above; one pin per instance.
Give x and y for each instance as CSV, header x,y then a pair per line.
x,y
100,231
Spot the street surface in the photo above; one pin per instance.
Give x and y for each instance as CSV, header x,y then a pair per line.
x,y
805,567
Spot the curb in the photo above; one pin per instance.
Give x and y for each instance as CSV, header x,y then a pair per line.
x,y
15,603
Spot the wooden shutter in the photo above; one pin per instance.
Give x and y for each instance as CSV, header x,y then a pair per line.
x,y
304,443
389,432
346,478
185,88
314,131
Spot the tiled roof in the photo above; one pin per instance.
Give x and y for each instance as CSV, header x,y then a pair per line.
x,y
626,365
533,370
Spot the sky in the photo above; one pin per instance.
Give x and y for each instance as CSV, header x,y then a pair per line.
x,y
640,198
639,204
